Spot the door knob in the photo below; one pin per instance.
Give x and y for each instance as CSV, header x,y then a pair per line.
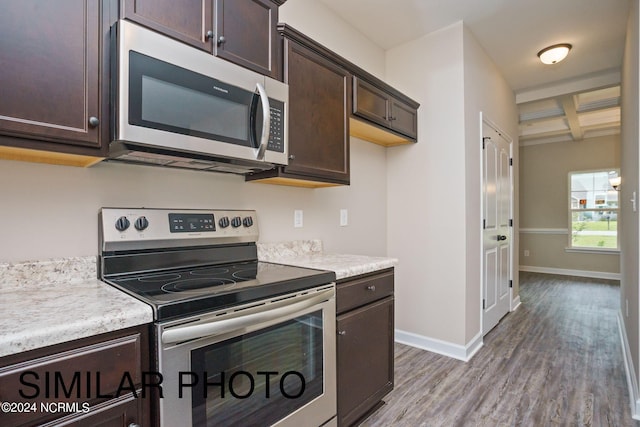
x,y
502,237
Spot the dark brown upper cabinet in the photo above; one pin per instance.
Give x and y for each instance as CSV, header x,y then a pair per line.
x,y
190,21
241,31
247,35
54,80
382,117
319,105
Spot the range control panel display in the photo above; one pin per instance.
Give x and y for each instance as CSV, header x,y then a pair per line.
x,y
191,223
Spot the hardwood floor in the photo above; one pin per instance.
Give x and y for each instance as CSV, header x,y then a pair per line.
x,y
557,360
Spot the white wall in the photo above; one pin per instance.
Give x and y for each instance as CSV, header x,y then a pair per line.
x,y
486,91
325,27
434,186
630,228
426,181
51,211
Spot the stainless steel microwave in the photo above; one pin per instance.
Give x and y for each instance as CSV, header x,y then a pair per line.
x,y
176,106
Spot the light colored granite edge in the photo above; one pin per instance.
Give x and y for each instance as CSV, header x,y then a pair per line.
x,y
47,272
48,302
309,254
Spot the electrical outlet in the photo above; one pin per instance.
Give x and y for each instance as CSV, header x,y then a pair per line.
x,y
344,217
297,218
526,252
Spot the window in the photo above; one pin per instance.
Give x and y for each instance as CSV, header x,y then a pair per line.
x,y
593,210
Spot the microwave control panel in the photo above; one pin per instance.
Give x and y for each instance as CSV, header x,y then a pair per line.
x,y
276,136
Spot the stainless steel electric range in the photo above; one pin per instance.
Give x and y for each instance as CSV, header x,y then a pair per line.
x,y
237,341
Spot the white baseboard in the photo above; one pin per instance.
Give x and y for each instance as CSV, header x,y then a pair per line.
x,y
632,383
456,351
515,303
566,272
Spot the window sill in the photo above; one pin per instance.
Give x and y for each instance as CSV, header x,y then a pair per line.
x,y
604,251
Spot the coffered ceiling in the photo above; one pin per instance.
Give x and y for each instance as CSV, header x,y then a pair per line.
x,y
572,117
552,107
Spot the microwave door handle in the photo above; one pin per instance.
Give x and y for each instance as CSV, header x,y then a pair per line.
x,y
266,122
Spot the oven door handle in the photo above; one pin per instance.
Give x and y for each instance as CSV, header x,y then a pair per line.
x,y
249,317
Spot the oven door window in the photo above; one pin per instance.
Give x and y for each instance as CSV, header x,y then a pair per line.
x,y
260,377
166,97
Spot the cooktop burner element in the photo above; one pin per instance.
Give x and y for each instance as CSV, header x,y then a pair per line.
x,y
198,285
180,273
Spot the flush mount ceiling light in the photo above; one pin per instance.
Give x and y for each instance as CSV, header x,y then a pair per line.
x,y
554,54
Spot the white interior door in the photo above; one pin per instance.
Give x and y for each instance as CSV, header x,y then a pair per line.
x,y
497,226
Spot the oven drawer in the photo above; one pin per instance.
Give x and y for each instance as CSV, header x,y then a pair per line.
x,y
363,290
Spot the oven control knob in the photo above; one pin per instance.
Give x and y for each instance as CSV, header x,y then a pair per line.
x,y
223,222
236,222
141,223
247,221
122,223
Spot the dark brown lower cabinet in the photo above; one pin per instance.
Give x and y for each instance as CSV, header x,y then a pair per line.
x,y
95,381
365,345
122,412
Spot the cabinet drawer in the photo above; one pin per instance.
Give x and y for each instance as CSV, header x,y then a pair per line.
x,y
358,292
89,373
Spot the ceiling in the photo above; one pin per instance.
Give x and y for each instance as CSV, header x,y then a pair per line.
x,y
512,32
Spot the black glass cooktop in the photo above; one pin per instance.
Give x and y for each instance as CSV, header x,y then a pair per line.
x,y
182,292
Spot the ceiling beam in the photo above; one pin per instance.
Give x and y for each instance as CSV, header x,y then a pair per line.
x,y
571,111
544,134
584,83
591,128
563,116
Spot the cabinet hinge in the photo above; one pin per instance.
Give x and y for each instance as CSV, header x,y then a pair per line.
x,y
484,304
483,141
510,161
484,224
511,283
511,223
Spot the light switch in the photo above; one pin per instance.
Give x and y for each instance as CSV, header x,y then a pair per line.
x,y
344,217
297,218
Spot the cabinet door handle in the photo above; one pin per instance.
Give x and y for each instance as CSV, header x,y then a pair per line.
x,y
221,40
502,237
292,156
209,35
371,288
342,332
393,118
94,121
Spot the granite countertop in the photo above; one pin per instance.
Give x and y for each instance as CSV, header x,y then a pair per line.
x,y
49,302
310,254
